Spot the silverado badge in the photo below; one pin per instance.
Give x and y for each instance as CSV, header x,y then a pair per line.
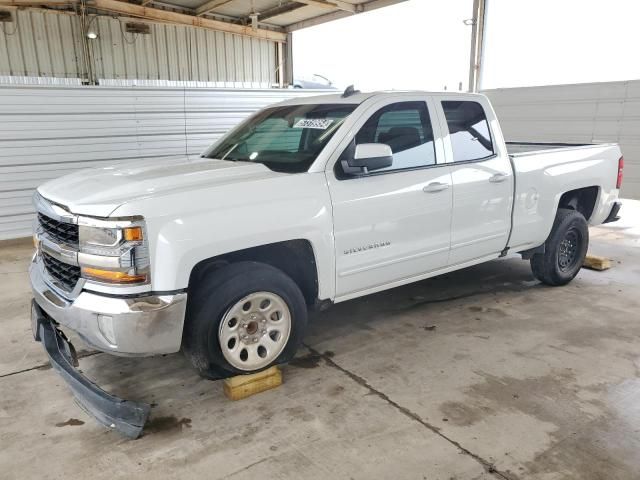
x,y
364,248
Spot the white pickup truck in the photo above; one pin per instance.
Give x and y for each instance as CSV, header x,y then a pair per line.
x,y
312,201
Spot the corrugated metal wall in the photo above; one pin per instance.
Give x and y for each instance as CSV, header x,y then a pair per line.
x,y
40,44
44,44
46,132
176,53
582,113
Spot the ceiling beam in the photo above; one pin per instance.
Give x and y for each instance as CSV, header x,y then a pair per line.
x,y
166,16
329,17
332,4
210,6
276,11
35,3
320,19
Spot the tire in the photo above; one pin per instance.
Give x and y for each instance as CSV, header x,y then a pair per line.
x,y
255,304
565,249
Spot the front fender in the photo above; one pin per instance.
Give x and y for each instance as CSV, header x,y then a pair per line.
x,y
184,231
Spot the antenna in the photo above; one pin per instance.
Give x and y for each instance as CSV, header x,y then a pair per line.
x,y
349,91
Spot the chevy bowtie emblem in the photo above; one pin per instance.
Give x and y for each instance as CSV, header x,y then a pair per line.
x,y
371,246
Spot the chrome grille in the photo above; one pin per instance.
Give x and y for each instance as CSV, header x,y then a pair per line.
x,y
67,275
59,231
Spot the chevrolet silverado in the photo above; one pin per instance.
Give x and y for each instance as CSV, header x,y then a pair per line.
x,y
310,202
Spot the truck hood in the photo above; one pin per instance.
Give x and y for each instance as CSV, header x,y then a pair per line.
x,y
98,192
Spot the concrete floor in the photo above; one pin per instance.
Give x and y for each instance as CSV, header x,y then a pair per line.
x,y
479,374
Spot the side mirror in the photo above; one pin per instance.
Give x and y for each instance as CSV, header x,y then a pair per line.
x,y
368,157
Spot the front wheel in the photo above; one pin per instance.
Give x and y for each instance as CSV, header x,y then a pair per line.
x,y
255,330
243,318
565,249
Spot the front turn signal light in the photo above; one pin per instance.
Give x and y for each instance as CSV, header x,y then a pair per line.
x,y
112,277
133,234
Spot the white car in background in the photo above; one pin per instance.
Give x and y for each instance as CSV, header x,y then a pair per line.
x,y
316,82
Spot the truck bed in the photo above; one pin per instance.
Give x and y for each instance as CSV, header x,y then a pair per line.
x,y
543,171
519,148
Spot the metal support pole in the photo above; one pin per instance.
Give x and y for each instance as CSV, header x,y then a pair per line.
x,y
477,44
87,52
280,66
288,61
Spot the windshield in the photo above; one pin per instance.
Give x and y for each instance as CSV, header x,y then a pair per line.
x,y
285,139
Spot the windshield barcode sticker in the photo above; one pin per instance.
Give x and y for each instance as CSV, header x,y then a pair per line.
x,y
319,123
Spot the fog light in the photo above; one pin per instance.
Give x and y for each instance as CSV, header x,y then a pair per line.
x,y
105,325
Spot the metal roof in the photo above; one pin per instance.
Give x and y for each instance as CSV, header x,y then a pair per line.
x,y
266,19
285,15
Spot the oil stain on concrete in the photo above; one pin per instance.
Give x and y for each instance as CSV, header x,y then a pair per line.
x,y
166,424
72,422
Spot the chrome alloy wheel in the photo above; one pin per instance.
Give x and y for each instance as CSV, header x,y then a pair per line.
x,y
255,330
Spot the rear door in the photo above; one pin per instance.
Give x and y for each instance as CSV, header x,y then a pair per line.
x,y
482,178
392,225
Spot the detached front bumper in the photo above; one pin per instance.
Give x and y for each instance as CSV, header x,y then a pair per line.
x,y
125,416
144,325
128,326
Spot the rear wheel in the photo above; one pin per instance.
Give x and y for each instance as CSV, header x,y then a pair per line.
x,y
243,318
565,249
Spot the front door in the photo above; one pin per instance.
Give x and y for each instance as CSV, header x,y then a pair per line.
x,y
392,226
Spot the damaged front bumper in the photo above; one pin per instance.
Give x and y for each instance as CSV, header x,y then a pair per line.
x,y
124,416
139,325
127,326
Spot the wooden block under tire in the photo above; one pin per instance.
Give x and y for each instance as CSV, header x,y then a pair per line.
x,y
243,386
596,263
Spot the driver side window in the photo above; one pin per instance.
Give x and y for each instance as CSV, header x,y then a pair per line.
x,y
406,128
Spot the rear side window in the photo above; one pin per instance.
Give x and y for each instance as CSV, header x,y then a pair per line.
x,y
468,130
406,128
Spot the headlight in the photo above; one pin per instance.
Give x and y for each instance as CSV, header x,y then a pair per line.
x,y
113,252
100,237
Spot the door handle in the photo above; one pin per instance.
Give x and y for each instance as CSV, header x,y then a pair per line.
x,y
434,187
498,177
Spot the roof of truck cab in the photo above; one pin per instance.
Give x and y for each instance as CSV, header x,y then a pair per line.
x,y
357,98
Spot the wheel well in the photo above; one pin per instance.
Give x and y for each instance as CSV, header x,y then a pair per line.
x,y
582,200
294,257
